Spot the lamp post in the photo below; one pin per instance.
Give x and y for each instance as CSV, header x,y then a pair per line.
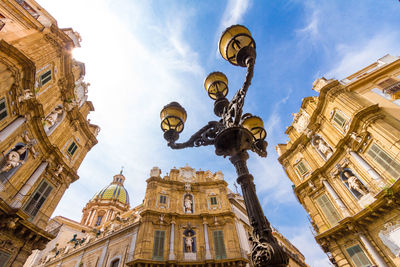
x,y
232,136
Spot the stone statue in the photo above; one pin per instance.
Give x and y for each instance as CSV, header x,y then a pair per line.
x,y
51,119
13,159
188,243
188,204
188,187
322,147
58,170
30,143
354,183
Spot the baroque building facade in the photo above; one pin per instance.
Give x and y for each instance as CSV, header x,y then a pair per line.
x,y
187,218
343,159
44,131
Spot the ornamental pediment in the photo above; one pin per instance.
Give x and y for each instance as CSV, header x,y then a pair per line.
x,y
187,174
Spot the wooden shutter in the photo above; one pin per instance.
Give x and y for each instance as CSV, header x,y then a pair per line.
x,y
328,209
384,160
339,119
158,246
302,168
3,108
358,256
45,78
38,198
219,245
4,257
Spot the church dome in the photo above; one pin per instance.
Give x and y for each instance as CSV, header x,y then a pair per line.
x,y
114,191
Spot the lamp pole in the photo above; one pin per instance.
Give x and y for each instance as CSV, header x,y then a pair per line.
x,y
233,135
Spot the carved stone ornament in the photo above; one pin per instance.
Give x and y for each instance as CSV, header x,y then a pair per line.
x,y
188,187
26,95
30,143
321,146
390,236
155,172
301,121
319,83
187,173
358,142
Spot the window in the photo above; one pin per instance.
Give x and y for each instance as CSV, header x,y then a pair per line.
x,y
4,257
115,263
213,200
72,148
38,198
358,256
45,77
302,168
328,209
158,247
163,199
3,108
384,160
339,119
219,245
98,221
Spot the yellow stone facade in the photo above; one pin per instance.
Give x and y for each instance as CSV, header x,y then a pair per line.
x,y
44,131
187,218
343,159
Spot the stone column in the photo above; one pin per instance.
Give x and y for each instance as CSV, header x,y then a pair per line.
x,y
208,253
103,253
171,241
132,246
88,217
17,200
79,259
378,179
375,255
339,202
6,132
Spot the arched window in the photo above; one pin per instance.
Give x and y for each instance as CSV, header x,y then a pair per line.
x,y
12,161
114,263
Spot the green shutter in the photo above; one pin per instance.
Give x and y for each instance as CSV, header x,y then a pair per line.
x,y
328,209
338,118
384,160
158,246
358,256
38,198
219,245
3,108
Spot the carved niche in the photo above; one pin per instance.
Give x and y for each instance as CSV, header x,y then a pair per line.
x,y
321,146
353,183
188,203
12,161
52,120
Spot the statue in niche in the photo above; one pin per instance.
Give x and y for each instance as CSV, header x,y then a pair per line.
x,y
14,158
322,147
53,119
353,183
189,241
188,204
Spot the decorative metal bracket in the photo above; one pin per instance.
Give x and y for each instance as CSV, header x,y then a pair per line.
x,y
203,137
233,113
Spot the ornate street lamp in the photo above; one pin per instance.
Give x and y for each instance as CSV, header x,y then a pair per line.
x,y
232,136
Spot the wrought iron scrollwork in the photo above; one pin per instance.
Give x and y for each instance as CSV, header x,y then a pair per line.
x,y
233,113
203,137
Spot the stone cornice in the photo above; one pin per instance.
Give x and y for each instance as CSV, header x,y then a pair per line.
x,y
181,183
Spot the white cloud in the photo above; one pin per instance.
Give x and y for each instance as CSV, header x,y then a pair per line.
x,y
234,11
356,56
311,30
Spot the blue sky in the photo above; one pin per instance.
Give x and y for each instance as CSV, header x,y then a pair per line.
x,y
141,55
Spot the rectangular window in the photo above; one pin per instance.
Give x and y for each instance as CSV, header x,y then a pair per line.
x,y
358,256
45,77
219,245
163,199
302,168
98,221
158,246
4,257
328,209
72,148
3,108
339,119
384,160
213,200
38,198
